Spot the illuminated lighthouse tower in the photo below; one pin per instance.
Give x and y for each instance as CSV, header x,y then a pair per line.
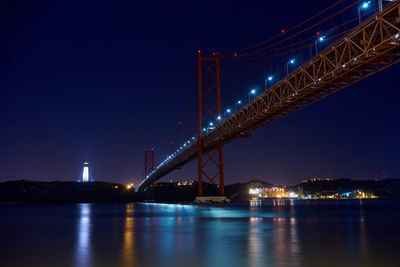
x,y
85,176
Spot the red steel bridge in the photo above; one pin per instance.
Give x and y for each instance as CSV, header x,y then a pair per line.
x,y
362,51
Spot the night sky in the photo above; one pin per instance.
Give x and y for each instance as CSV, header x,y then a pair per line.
x,y
101,81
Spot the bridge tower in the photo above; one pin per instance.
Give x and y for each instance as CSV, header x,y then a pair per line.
x,y
209,109
149,161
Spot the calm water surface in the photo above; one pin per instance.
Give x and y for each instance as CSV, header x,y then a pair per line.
x,y
269,233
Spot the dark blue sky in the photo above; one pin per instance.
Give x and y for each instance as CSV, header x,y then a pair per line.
x,y
103,80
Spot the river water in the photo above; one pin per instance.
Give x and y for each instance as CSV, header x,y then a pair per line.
x,y
268,233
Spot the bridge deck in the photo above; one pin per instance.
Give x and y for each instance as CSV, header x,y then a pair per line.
x,y
369,48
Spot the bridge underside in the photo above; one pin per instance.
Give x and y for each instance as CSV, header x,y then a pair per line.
x,y
371,47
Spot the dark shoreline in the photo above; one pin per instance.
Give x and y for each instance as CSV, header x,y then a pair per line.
x,y
23,192
33,192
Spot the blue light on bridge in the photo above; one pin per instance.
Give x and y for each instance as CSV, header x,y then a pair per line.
x,y
239,102
268,79
320,39
227,111
365,5
218,118
211,124
291,61
252,92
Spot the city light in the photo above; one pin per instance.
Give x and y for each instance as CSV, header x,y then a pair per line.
x,y
254,191
282,192
211,124
292,61
239,102
218,118
270,78
130,186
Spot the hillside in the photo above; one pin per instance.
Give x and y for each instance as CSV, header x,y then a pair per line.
x,y
27,192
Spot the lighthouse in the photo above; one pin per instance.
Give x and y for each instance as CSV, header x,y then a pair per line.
x,y
85,176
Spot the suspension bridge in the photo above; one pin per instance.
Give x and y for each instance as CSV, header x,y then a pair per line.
x,y
369,43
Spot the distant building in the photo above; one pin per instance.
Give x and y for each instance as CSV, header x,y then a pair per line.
x,y
272,192
183,183
316,179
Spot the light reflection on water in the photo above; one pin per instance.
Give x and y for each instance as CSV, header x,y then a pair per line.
x,y
128,248
83,246
266,233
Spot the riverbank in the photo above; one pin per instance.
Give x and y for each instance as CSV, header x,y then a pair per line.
x,y
33,192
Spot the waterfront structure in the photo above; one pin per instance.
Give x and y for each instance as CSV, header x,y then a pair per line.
x,y
316,179
185,183
272,192
354,194
85,174
282,192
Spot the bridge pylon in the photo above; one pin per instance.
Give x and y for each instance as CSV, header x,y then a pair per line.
x,y
149,161
209,112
